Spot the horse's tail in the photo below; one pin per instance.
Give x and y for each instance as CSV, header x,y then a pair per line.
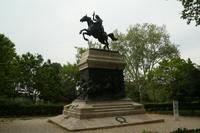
x,y
111,35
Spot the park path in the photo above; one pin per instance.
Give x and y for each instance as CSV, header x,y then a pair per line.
x,y
40,125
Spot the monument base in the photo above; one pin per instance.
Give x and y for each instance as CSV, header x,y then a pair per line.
x,y
102,100
85,115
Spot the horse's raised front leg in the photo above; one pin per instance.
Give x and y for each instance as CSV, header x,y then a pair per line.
x,y
85,33
82,31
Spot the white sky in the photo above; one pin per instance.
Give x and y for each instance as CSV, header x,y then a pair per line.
x,y
51,27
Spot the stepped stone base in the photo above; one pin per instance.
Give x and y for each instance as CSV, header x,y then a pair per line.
x,y
101,73
84,109
82,115
74,124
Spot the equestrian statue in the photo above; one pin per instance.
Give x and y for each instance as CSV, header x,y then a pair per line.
x,y
96,29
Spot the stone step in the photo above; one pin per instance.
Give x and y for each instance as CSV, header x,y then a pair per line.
x,y
113,110
102,110
111,105
105,114
116,106
83,110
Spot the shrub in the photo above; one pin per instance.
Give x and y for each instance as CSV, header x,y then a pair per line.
x,y
184,130
181,112
16,109
158,106
169,106
185,109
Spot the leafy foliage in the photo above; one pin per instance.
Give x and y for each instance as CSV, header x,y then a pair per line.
x,y
7,69
185,130
69,78
143,47
131,91
48,81
80,51
180,79
57,83
27,76
191,11
28,65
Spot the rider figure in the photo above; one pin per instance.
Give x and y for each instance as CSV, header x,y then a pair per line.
x,y
98,23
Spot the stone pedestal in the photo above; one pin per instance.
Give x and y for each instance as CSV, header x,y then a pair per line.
x,y
102,101
101,75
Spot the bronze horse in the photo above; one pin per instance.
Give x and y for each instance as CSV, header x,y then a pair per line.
x,y
96,32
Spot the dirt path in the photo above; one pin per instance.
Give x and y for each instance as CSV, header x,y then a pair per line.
x,y
40,125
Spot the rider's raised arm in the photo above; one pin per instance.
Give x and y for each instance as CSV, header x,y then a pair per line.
x,y
93,17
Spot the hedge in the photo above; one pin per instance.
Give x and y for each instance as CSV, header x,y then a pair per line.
x,y
181,112
30,110
169,106
184,130
18,109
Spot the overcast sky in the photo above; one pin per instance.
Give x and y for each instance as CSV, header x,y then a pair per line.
x,y
51,27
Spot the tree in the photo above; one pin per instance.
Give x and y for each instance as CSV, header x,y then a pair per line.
x,y
177,78
28,65
49,81
80,51
57,83
191,11
69,78
143,47
7,69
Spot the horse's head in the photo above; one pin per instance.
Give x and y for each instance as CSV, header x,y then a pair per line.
x,y
84,18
